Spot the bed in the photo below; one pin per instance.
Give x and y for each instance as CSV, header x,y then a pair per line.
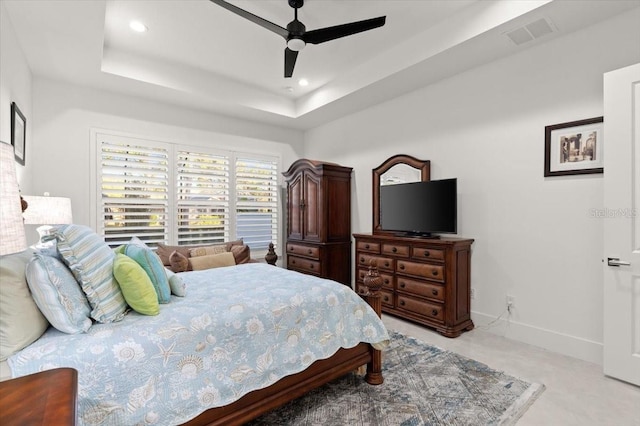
x,y
244,340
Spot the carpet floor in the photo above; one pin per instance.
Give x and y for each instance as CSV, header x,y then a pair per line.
x,y
423,385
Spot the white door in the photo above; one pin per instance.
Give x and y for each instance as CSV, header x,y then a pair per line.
x,y
622,224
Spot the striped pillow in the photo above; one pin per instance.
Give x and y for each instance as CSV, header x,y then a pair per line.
x,y
91,261
58,295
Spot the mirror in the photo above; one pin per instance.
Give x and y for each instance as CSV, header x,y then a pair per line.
x,y
395,170
400,173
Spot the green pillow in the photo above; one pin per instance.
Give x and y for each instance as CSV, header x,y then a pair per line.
x,y
152,265
135,285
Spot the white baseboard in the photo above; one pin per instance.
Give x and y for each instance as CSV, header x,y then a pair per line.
x,y
565,344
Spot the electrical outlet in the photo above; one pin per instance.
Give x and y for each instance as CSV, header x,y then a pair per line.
x,y
473,292
511,302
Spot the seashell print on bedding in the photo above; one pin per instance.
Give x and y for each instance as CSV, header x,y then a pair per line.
x,y
234,332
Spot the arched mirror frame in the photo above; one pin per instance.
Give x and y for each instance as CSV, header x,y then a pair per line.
x,y
425,174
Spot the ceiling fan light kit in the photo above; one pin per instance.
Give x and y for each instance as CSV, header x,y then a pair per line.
x,y
296,34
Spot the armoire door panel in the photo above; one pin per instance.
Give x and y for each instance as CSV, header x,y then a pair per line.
x,y
311,208
295,214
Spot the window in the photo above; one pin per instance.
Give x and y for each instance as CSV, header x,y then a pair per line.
x,y
178,194
256,201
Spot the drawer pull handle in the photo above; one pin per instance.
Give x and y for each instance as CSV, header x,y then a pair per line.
x,y
362,260
434,292
386,264
293,262
402,303
386,298
402,285
311,265
310,251
402,266
434,273
434,312
394,250
366,246
426,253
386,281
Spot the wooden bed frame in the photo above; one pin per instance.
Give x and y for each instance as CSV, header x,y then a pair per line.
x,y
260,401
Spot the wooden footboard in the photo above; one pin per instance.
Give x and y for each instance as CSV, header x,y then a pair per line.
x,y
319,373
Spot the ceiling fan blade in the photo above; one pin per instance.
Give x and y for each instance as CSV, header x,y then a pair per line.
x,y
283,32
331,33
290,57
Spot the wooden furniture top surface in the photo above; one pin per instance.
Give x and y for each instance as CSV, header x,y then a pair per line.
x,y
443,241
45,398
317,166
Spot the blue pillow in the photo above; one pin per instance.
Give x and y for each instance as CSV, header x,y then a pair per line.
x,y
154,268
91,262
58,294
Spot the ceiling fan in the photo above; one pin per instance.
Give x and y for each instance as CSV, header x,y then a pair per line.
x,y
296,34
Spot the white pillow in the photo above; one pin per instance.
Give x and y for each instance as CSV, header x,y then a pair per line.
x,y
21,322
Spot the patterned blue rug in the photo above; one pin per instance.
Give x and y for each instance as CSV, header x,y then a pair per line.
x,y
423,385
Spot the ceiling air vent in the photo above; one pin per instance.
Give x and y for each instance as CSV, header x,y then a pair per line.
x,y
531,31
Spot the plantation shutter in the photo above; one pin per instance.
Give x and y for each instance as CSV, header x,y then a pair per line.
x,y
256,201
134,185
202,197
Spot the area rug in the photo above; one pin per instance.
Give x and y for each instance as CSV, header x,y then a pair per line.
x,y
423,385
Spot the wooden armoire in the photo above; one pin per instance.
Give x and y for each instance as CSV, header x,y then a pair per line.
x,y
319,219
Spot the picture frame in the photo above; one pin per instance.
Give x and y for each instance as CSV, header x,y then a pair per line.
x,y
574,148
18,133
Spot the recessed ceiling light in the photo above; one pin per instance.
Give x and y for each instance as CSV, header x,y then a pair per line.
x,y
303,82
138,26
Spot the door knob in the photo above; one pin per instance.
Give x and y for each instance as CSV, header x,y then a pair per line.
x,y
615,261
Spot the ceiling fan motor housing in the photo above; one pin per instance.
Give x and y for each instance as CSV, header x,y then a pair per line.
x,y
296,3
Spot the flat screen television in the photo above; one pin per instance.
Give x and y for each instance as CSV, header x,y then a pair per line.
x,y
419,208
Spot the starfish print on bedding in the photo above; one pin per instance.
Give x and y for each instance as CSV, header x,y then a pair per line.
x,y
166,353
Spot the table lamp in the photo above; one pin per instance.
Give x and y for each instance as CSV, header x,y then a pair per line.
x,y
47,211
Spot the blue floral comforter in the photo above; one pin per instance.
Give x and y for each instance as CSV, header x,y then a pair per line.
x,y
238,329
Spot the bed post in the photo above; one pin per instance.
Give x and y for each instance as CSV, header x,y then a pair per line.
x,y
373,282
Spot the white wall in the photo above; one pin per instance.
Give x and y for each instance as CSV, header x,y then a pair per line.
x,y
534,237
15,86
64,115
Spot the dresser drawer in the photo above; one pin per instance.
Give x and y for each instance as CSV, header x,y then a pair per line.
x,y
422,270
387,279
301,250
426,309
421,288
385,296
303,265
383,263
427,253
395,250
368,247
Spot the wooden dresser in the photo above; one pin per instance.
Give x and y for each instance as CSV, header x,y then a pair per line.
x,y
319,219
424,280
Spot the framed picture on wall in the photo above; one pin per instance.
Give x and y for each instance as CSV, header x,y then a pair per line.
x,y
574,148
18,133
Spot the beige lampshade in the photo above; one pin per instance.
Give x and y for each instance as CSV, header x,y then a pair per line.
x,y
12,234
47,210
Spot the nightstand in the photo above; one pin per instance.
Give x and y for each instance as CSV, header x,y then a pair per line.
x,y
45,398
